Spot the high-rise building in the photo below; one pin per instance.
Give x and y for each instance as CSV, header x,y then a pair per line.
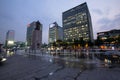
x,y
55,32
10,35
34,35
77,23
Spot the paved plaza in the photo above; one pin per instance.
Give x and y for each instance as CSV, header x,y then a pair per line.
x,y
44,67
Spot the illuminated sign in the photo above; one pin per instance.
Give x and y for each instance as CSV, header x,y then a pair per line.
x,y
10,42
100,33
52,25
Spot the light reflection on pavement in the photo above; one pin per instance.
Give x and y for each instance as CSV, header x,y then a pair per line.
x,y
9,53
48,67
69,61
72,62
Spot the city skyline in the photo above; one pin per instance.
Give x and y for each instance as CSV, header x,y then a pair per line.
x,y
15,15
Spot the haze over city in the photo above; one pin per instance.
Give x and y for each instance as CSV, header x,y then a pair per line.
x,y
17,14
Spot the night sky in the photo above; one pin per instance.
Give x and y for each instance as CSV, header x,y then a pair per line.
x,y
17,14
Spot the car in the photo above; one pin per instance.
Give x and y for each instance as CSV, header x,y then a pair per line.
x,y
2,58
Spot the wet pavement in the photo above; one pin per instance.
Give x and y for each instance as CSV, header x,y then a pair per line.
x,y
23,66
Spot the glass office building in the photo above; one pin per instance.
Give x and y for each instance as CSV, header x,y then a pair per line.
x,y
55,32
77,23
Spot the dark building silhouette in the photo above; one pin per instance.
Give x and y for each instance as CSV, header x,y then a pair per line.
x,y
34,35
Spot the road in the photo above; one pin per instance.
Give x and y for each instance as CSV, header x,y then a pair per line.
x,y
22,66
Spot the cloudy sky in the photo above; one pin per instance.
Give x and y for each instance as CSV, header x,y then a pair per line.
x,y
16,14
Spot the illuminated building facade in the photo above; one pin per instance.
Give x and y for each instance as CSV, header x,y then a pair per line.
x,y
109,37
77,23
34,34
55,32
10,35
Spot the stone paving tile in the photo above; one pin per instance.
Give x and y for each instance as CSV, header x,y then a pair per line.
x,y
99,74
66,73
28,77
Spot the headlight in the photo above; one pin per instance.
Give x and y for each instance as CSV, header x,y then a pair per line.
x,y
4,59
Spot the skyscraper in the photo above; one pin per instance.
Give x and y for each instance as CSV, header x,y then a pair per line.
x,y
10,35
77,23
34,34
55,32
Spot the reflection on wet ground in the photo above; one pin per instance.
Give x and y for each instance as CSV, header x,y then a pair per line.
x,y
72,62
9,53
82,63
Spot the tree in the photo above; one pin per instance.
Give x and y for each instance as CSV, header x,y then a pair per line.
x,y
98,42
118,39
59,43
65,44
44,45
82,42
54,44
90,43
